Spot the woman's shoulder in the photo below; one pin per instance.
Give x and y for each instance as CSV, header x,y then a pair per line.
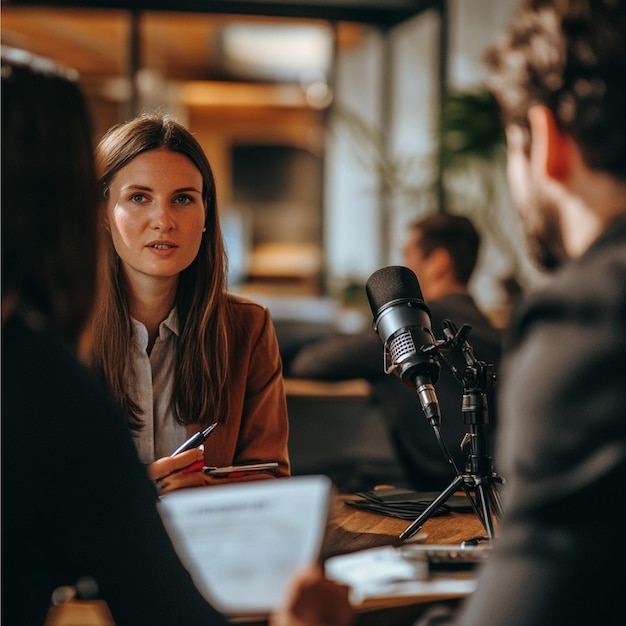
x,y
247,313
238,299
246,305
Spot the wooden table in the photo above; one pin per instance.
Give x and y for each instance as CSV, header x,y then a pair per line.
x,y
349,529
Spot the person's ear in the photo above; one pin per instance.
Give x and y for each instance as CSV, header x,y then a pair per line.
x,y
550,147
104,217
102,209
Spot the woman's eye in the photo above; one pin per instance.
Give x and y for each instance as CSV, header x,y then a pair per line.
x,y
137,197
183,199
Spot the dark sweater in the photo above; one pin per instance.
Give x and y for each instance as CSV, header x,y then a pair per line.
x,y
76,501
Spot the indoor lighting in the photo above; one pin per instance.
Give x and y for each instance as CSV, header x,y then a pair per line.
x,y
276,52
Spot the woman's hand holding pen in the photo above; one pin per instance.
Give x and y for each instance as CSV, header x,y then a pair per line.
x,y
180,471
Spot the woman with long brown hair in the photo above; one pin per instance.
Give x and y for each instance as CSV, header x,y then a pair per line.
x,y
177,350
77,505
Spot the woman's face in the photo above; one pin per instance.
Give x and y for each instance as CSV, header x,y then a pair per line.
x,y
155,214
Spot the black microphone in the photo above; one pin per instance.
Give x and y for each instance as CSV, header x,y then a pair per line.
x,y
402,321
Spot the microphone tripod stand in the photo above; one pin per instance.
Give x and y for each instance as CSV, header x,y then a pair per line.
x,y
479,476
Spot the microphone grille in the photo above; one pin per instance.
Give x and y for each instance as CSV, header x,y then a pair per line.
x,y
390,283
401,345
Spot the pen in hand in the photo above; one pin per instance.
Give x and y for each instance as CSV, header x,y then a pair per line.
x,y
195,440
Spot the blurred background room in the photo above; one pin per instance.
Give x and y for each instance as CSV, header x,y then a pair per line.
x,y
330,126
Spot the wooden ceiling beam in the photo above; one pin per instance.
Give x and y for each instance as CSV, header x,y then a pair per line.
x,y
382,13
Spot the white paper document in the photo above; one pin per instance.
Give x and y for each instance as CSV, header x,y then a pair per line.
x,y
377,573
242,542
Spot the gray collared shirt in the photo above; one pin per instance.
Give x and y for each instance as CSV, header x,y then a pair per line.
x,y
161,434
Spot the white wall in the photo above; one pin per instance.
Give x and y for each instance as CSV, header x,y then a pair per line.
x,y
353,211
353,240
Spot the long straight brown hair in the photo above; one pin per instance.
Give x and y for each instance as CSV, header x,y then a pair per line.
x,y
49,198
201,362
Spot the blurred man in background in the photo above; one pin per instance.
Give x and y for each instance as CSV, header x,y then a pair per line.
x,y
442,249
